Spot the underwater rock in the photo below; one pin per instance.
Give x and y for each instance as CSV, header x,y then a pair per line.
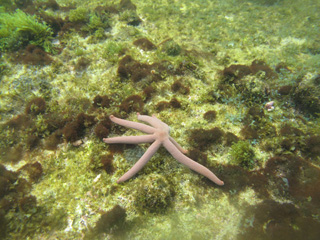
x,y
171,48
33,55
114,218
36,106
101,131
74,130
106,161
177,86
210,116
202,138
154,195
307,99
242,154
28,204
145,44
102,101
274,220
34,170
131,104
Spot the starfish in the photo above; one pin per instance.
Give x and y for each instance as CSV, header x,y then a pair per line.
x,y
158,135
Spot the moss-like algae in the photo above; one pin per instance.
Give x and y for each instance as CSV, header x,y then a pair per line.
x,y
154,195
166,200
81,14
242,154
19,29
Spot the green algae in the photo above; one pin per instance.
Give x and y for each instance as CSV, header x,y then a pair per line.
x,y
242,154
154,195
19,29
208,36
81,14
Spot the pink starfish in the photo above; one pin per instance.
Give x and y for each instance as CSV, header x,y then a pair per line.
x,y
159,135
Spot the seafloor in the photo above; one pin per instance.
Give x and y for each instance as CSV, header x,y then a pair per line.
x,y
237,82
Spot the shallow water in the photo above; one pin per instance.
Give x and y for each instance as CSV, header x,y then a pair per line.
x,y
236,81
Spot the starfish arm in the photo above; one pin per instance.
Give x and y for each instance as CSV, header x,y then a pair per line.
x,y
130,139
172,149
141,162
153,121
135,125
178,146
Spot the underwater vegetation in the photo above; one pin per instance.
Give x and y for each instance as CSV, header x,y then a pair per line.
x,y
155,195
20,29
111,221
238,84
242,154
